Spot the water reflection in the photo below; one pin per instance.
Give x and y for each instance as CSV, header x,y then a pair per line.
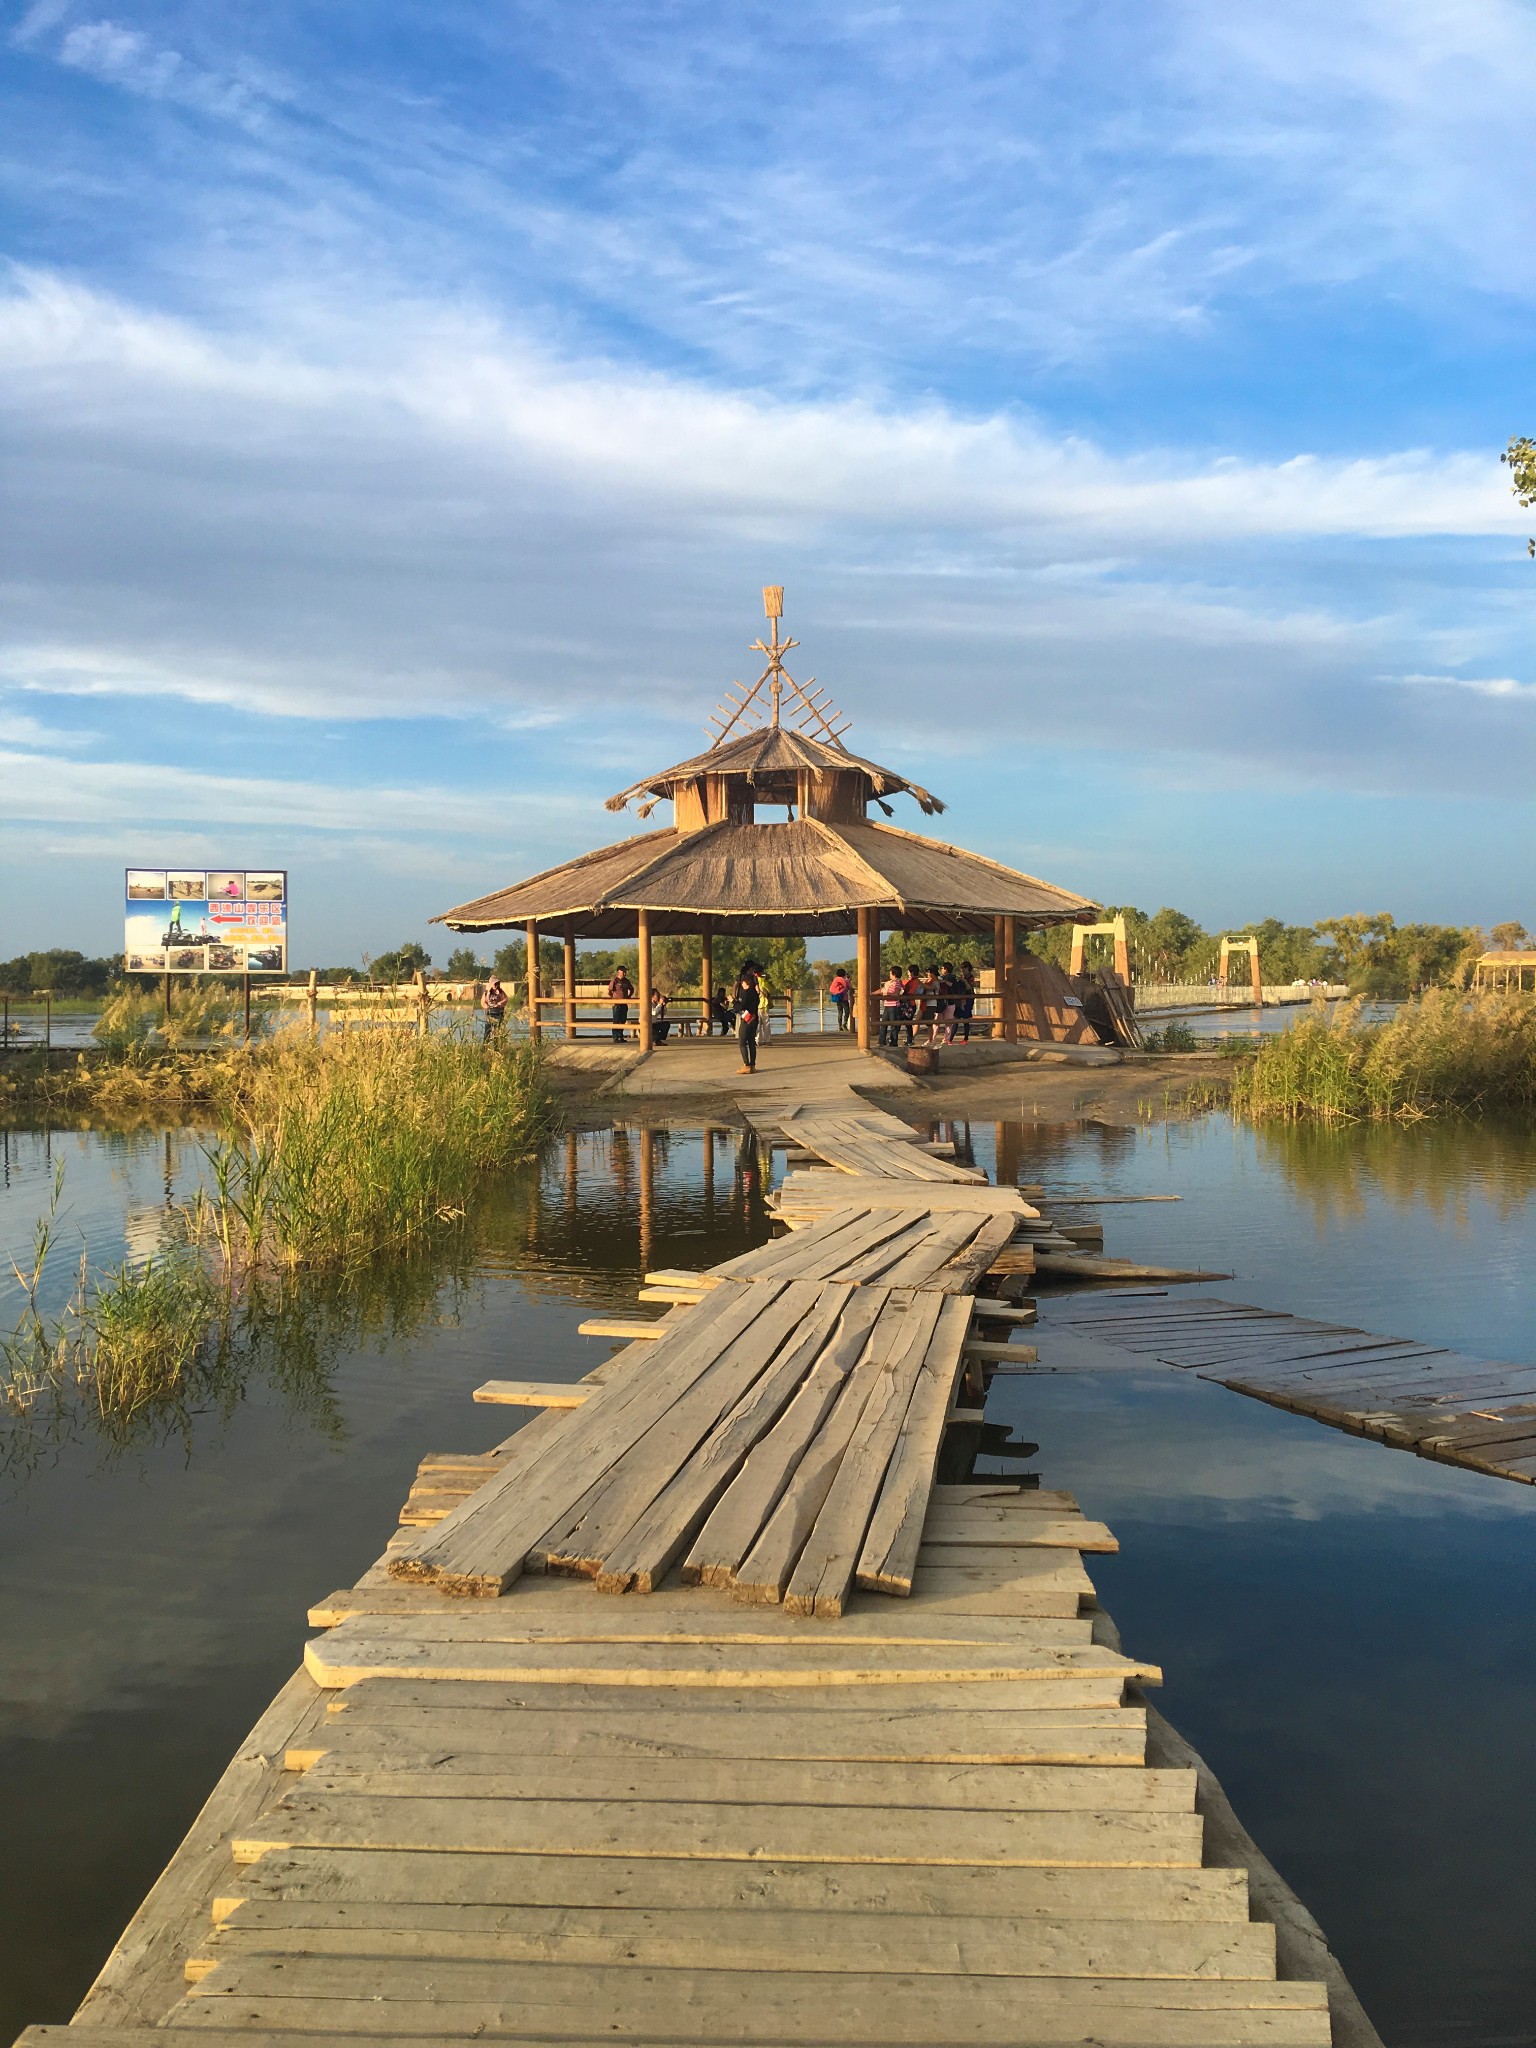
x,y
1338,1622
599,1211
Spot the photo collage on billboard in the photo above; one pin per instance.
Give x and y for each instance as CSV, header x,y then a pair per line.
x,y
206,921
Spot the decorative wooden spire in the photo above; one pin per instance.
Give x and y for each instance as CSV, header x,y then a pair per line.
x,y
812,711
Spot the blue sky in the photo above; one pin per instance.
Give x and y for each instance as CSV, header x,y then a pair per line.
x,y
402,404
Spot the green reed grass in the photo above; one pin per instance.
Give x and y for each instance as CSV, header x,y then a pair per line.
x,y
364,1141
330,1153
1443,1053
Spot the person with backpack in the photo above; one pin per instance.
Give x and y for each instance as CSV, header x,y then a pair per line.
x,y
620,989
747,1008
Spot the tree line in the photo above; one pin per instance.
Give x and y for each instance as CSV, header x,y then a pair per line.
x,y
1372,953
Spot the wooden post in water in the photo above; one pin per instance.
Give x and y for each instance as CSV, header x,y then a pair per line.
x,y
423,1003
570,979
47,1021
535,1022
866,976
313,1002
707,977
643,929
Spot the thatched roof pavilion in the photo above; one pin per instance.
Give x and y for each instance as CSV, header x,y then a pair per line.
x,y
824,868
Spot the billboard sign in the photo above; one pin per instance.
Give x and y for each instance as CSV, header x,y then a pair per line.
x,y
206,921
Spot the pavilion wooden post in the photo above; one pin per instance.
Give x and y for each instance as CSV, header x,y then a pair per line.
x,y
570,979
866,976
1010,979
644,933
535,1022
707,977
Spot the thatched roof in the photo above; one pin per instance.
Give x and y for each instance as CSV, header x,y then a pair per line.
x,y
773,750
803,876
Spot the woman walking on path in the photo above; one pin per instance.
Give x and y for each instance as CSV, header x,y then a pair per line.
x,y
747,1008
840,989
620,989
890,1008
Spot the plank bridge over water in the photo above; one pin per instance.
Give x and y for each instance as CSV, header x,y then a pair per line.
x,y
1475,1412
698,1712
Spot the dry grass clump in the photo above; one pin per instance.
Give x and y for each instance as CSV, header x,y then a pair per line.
x,y
1444,1052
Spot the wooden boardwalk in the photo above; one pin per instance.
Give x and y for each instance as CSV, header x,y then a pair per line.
x,y
1475,1412
756,1799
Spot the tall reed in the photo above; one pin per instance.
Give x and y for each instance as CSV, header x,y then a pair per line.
x,y
1443,1053
364,1141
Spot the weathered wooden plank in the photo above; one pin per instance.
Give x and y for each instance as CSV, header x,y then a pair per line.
x,y
1005,1946
802,1191
758,2006
579,1539
460,1879
362,1765
743,1833
366,1649
1072,1533
735,1522
823,1575
1110,1735
658,1536
533,1394
1097,1692
765,1571
580,1622
480,1548
887,1560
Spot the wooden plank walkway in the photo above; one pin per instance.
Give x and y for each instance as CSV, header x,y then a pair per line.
x,y
1476,1412
759,1802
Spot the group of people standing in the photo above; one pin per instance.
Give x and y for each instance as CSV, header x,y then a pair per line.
x,y
739,1010
942,999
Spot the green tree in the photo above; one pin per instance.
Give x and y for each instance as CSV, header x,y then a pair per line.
x,y
1289,952
1510,937
400,965
465,965
1521,457
1354,940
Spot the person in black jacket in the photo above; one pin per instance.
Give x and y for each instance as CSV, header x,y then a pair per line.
x,y
747,1008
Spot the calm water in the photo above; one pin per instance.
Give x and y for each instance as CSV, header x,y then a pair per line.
x,y
1347,1632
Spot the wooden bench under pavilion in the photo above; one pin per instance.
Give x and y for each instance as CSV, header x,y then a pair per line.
x,y
823,869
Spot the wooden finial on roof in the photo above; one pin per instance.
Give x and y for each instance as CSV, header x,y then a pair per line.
x,y
818,716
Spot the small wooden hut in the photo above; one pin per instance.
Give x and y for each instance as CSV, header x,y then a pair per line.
x,y
822,868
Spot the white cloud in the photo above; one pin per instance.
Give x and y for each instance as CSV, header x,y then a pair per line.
x,y
42,787
420,514
125,58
